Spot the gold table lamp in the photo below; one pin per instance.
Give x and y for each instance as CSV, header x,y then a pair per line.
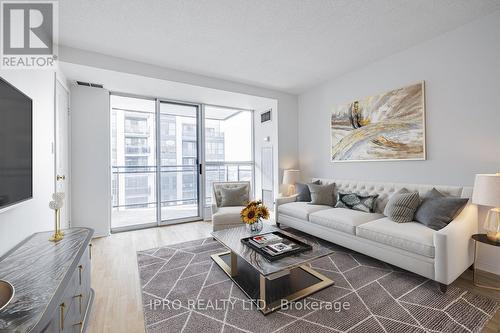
x,y
290,177
487,193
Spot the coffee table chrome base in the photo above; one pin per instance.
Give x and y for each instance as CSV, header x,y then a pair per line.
x,y
258,291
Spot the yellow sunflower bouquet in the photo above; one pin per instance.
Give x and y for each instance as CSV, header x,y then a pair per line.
x,y
254,212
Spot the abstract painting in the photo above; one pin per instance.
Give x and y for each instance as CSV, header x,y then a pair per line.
x,y
389,126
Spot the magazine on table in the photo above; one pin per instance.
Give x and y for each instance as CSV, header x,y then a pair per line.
x,y
280,247
276,245
261,241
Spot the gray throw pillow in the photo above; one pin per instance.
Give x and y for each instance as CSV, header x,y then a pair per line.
x,y
402,206
303,193
363,203
437,209
322,194
236,196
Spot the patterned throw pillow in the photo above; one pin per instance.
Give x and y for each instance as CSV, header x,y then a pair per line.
x,y
363,203
402,206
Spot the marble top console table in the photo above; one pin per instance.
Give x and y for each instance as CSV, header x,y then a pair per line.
x,y
51,282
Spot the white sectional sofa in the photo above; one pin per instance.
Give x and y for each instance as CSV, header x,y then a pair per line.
x,y
441,255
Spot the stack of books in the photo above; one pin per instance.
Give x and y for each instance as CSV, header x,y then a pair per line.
x,y
273,244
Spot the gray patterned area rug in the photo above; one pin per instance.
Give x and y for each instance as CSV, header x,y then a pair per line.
x,y
183,290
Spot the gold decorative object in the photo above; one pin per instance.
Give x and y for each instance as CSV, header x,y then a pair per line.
x,y
6,294
492,225
56,205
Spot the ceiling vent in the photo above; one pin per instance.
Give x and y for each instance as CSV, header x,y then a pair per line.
x,y
89,84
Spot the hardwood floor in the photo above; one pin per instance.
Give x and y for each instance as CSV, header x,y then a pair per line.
x,y
117,306
115,278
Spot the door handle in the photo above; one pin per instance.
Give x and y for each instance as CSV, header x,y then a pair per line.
x,y
63,177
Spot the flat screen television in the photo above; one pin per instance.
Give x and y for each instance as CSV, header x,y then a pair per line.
x,y
16,147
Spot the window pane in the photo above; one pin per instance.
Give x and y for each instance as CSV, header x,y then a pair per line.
x,y
179,155
228,146
133,160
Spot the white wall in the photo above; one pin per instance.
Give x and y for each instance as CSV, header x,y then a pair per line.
x,y
90,155
261,131
22,220
461,69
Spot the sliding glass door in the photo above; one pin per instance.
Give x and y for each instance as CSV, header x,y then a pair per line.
x,y
179,161
157,152
153,186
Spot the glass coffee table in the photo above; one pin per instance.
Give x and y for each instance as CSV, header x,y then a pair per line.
x,y
270,284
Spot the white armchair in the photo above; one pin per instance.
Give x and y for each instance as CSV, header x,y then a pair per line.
x,y
226,217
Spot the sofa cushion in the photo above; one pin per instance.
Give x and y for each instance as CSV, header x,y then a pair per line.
x,y
437,210
412,236
237,196
303,193
322,194
402,206
300,210
364,203
227,215
218,185
342,219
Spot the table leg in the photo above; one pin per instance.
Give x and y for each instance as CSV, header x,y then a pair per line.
x,y
234,264
474,264
474,272
262,292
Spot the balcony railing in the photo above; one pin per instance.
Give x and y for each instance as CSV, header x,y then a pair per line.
x,y
149,171
224,172
137,150
214,172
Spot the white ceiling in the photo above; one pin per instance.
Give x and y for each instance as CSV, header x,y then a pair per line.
x,y
287,45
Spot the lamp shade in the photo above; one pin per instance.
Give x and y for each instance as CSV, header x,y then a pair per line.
x,y
487,190
290,176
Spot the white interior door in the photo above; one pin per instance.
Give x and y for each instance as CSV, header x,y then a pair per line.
x,y
61,151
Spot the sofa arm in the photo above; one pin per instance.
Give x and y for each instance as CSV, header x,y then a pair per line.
x,y
454,251
280,201
214,209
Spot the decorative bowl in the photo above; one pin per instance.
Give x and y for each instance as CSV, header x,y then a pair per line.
x,y
6,293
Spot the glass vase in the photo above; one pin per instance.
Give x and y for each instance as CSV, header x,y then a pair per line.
x,y
255,227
